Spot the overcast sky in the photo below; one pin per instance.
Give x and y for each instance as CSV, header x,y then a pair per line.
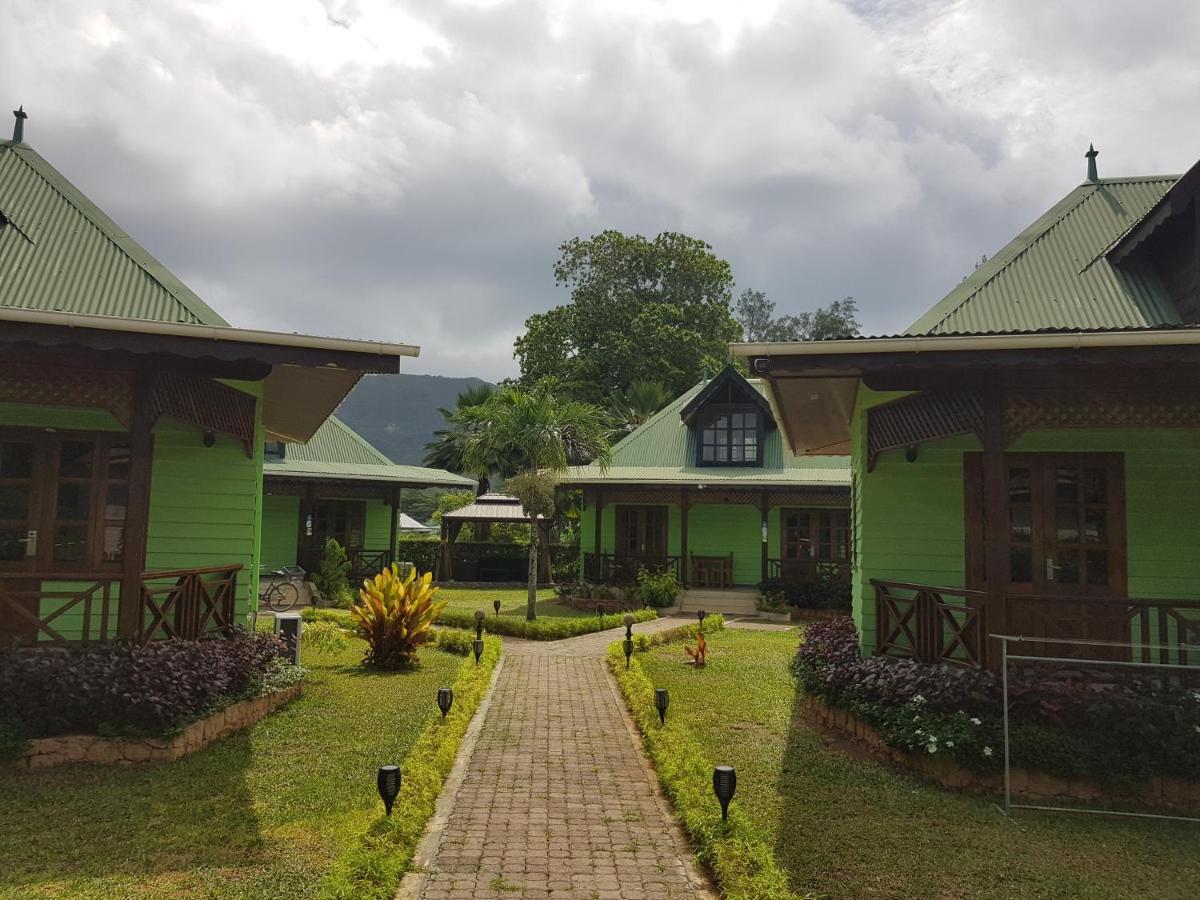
x,y
406,171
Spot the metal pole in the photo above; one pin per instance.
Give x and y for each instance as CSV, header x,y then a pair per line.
x,y
1007,760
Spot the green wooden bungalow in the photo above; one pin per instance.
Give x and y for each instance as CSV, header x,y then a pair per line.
x,y
1026,458
132,425
337,486
709,489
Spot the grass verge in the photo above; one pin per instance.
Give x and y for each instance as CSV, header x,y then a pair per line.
x,y
845,826
372,867
741,861
266,812
542,629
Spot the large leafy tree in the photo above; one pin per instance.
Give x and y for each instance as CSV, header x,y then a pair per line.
x,y
640,309
548,433
755,313
636,404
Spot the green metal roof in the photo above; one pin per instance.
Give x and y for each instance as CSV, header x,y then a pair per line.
x,y
59,252
1055,273
663,450
338,452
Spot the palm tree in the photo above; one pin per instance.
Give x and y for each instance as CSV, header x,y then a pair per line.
x,y
445,451
545,431
637,403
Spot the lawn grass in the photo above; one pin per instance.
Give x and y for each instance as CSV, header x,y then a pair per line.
x,y
842,826
263,813
512,602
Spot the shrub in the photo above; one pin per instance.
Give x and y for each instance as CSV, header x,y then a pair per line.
x,y
394,615
317,614
12,740
713,622
458,641
541,629
658,589
124,689
827,591
1076,724
332,577
325,636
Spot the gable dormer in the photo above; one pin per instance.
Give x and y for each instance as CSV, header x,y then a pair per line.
x,y
729,419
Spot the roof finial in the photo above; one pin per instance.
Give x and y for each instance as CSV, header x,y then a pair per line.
x,y
19,127
1091,158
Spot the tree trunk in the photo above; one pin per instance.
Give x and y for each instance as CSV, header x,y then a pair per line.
x,y
531,610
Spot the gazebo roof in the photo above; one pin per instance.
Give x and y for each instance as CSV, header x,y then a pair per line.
x,y
490,508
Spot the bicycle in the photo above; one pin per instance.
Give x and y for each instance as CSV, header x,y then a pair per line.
x,y
281,594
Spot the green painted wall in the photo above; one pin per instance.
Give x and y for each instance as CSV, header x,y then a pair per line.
x,y
909,517
378,531
280,530
204,501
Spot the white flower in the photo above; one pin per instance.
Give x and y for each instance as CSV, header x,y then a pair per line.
x,y
917,700
949,743
932,747
1197,727
975,721
987,751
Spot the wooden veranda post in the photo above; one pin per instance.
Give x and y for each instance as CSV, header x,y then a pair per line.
x,y
394,503
764,511
141,450
995,526
599,526
684,565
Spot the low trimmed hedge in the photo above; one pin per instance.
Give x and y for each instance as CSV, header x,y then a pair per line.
x,y
1096,724
545,629
373,868
744,866
121,689
712,622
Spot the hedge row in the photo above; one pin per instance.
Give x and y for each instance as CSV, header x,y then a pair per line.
x,y
543,629
373,867
744,866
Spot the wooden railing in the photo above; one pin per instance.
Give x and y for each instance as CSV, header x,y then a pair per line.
x,y
809,570
609,568
930,624
712,571
51,609
941,624
366,564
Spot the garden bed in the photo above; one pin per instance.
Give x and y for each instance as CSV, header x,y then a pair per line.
x,y
90,748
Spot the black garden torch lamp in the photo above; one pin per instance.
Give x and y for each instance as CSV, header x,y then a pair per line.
x,y
445,700
700,614
661,701
628,645
600,611
388,783
479,617
477,647
496,607
724,786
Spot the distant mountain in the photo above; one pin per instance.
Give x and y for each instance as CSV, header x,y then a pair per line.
x,y
399,413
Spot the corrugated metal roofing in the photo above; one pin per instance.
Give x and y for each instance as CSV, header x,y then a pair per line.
x,y
491,507
337,451
60,252
663,450
1054,275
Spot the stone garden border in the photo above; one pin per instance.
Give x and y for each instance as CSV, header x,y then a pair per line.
x,y
1029,786
90,748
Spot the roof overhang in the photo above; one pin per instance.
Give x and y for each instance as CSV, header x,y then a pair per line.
x,y
305,377
380,476
815,383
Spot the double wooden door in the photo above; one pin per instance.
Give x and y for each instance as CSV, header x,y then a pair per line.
x,y
642,532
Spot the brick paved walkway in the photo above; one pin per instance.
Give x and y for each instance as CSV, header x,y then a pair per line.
x,y
558,799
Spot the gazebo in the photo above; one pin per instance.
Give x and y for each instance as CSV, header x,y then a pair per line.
x,y
485,510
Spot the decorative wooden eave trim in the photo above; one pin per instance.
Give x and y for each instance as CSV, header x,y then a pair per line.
x,y
1033,410
727,376
926,416
106,389
207,404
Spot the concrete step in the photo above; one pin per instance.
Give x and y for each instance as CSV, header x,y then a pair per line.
x,y
732,601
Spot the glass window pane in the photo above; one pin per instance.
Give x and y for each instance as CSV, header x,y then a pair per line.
x,y
1020,522
114,542
1097,567
1068,568
118,461
1067,524
722,437
1018,486
751,453
73,500
16,460
1020,564
737,420
75,459
70,543
12,543
1095,486
1066,482
1095,526
709,436
751,420
117,500
14,502
721,422
737,452
707,454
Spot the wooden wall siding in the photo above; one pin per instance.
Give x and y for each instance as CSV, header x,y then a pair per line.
x,y
909,521
280,538
720,530
378,529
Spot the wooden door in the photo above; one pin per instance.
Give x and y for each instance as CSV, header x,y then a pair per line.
x,y
1066,544
642,532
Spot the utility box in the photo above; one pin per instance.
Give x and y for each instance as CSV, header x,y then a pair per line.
x,y
289,626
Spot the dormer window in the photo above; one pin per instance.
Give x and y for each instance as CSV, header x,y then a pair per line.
x,y
730,437
275,450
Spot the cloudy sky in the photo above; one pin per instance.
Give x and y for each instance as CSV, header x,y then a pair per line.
x,y
407,170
